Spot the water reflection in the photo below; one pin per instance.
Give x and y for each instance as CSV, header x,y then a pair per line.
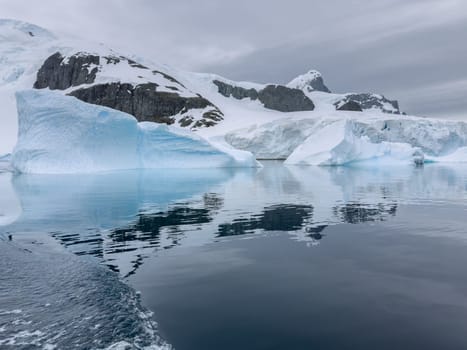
x,y
281,217
355,213
122,218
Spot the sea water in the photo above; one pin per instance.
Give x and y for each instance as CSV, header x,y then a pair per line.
x,y
281,257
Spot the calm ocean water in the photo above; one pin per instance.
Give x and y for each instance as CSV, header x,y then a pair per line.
x,y
276,258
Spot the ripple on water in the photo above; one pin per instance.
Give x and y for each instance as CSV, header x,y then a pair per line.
x,y
55,300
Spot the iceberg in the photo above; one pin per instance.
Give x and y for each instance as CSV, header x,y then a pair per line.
x,y
5,163
5,157
163,146
10,206
337,144
61,134
346,140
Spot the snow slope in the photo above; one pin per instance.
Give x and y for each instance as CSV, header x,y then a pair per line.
x,y
248,115
23,47
60,134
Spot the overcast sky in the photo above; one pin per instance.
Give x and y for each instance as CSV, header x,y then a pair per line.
x,y
414,51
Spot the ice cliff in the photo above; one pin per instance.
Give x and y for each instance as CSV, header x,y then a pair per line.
x,y
342,141
60,134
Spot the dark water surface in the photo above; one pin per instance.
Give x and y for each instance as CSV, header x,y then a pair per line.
x,y
280,258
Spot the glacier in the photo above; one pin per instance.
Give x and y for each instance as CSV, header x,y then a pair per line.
x,y
61,134
351,139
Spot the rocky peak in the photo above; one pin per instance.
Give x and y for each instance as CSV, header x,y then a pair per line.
x,y
308,82
368,101
348,105
60,73
276,97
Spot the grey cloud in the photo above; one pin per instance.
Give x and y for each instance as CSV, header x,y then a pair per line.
x,y
410,50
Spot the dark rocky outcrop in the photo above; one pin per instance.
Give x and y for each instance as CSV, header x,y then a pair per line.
x,y
58,73
371,101
237,92
275,97
317,84
309,82
145,103
284,99
349,106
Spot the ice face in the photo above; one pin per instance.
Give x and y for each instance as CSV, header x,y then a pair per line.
x,y
10,208
60,134
337,144
273,140
163,146
340,141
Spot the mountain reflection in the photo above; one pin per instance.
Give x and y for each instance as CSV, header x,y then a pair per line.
x,y
124,218
281,217
355,213
175,223
147,227
278,218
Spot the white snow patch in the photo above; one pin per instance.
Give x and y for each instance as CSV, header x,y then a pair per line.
x,y
303,81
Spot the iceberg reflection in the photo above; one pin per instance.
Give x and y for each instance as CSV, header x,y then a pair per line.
x,y
124,217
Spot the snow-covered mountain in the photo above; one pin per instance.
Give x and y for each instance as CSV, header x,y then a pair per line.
x,y
309,82
269,120
34,57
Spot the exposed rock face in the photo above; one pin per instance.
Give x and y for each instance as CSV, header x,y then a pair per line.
x,y
284,99
373,101
311,81
237,92
275,97
57,73
147,101
349,106
317,84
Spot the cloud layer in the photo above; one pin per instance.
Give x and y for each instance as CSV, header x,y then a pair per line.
x,y
410,50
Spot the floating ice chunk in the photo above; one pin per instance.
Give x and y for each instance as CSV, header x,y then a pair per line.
x,y
163,146
329,140
61,134
458,156
336,144
10,207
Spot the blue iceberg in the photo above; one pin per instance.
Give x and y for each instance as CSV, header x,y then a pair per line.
x,y
61,134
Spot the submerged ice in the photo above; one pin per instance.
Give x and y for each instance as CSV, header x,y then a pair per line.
x,y
60,134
